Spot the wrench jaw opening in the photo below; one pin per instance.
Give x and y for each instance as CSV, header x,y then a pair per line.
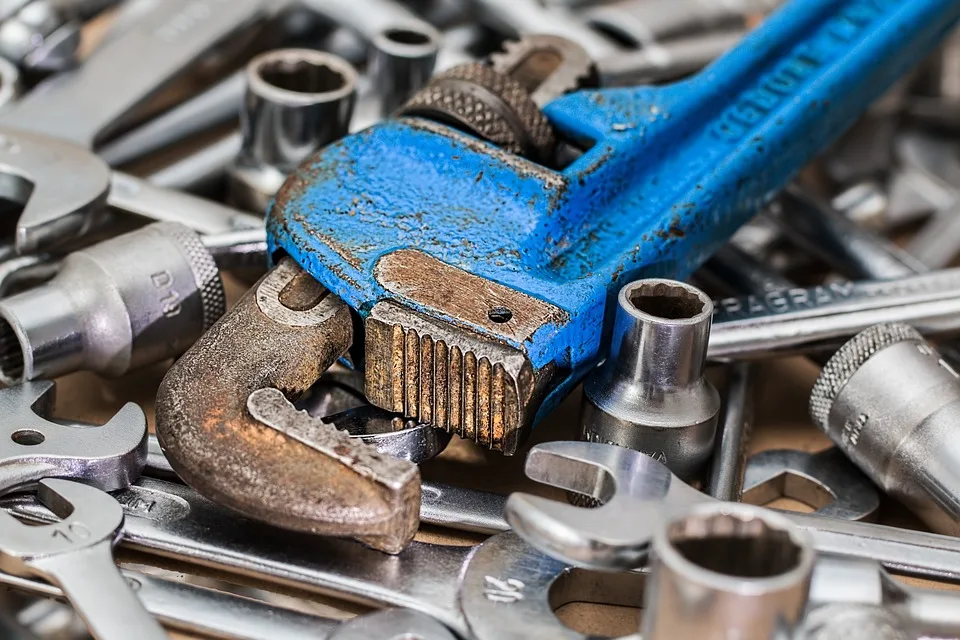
x,y
632,487
32,447
285,469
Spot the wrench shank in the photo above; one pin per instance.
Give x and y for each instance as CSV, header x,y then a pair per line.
x,y
81,105
93,584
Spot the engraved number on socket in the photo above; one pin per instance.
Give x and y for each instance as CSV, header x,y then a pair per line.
x,y
853,428
506,591
170,299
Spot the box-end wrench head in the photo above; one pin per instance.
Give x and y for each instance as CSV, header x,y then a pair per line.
x,y
32,167
826,480
32,447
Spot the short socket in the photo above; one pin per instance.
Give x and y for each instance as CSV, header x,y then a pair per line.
x,y
726,570
133,300
651,395
402,59
297,101
889,401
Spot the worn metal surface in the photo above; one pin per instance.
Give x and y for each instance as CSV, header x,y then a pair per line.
x,y
282,335
671,173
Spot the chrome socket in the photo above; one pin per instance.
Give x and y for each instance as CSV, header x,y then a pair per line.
x,y
650,395
402,60
727,570
892,405
133,300
297,101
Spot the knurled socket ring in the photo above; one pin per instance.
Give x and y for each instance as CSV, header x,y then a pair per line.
x,y
205,271
477,99
848,359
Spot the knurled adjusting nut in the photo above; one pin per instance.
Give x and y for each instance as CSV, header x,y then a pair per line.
x,y
475,98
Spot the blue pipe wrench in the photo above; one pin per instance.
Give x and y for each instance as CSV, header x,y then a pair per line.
x,y
485,280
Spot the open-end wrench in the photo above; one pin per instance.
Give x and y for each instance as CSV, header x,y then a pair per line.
x,y
174,521
32,447
77,555
84,104
638,491
32,167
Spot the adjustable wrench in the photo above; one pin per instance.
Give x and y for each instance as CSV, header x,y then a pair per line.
x,y
483,278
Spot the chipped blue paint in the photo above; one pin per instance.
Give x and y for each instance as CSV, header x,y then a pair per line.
x,y
672,173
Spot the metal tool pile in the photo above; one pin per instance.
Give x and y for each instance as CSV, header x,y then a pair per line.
x,y
354,229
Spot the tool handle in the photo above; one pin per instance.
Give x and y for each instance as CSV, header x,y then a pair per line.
x,y
129,68
101,595
719,145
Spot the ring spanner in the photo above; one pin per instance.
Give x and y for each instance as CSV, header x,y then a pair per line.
x,y
483,278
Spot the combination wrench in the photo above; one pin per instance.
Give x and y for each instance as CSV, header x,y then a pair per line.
x,y
637,491
173,521
77,555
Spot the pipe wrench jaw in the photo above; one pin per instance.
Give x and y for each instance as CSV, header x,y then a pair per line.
x,y
451,348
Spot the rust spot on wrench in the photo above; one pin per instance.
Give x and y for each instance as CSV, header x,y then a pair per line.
x,y
225,422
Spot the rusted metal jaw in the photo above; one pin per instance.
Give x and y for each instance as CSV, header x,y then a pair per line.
x,y
225,422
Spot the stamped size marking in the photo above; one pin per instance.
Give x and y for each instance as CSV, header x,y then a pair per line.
x,y
137,504
505,591
853,428
170,299
787,79
72,533
592,436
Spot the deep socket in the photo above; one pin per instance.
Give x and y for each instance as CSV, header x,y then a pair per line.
x,y
126,302
650,394
297,101
402,59
892,405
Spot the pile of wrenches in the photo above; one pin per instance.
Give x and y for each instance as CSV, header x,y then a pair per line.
x,y
355,236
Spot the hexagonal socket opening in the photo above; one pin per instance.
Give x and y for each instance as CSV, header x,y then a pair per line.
x,y
667,301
